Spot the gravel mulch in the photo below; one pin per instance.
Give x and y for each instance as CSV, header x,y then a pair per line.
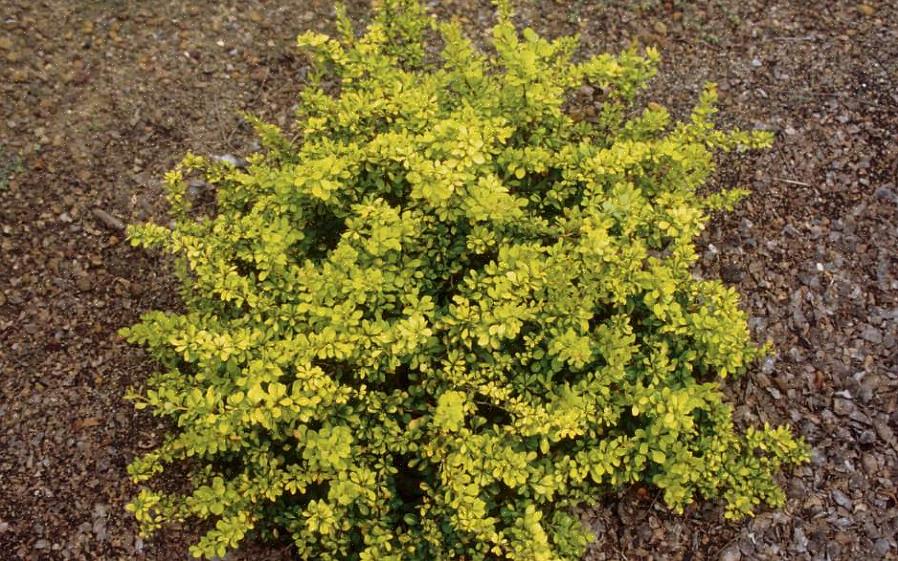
x,y
99,98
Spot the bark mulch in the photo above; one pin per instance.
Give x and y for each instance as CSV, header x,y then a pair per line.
x,y
100,97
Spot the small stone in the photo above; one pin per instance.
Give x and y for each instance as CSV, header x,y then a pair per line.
x,y
5,43
732,274
866,9
761,523
731,553
83,283
2,299
842,499
844,538
884,193
756,62
813,504
99,529
871,466
791,230
660,28
881,546
790,131
842,406
871,335
866,393
884,431
799,540
232,160
42,544
101,510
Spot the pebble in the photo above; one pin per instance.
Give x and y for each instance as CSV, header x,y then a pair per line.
x,y
866,9
867,437
83,282
871,466
799,540
232,160
794,354
818,458
42,544
731,553
99,529
882,546
871,335
813,504
843,406
884,431
866,393
227,159
883,193
842,499
732,274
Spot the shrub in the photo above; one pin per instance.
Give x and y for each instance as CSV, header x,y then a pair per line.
x,y
446,313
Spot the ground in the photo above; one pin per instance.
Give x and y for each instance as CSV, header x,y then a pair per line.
x,y
100,97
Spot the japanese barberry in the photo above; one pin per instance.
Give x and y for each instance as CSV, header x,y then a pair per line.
x,y
441,312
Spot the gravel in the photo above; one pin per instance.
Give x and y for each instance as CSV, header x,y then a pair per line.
x,y
101,100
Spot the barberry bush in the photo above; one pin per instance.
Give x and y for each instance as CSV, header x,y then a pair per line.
x,y
445,313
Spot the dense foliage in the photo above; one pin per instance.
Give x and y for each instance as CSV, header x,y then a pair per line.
x,y
446,312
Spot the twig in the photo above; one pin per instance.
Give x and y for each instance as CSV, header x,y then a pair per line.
x,y
792,182
107,219
801,38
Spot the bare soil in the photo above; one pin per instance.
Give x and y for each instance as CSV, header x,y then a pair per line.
x,y
101,97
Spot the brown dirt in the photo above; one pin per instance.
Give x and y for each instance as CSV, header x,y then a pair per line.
x,y
100,97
